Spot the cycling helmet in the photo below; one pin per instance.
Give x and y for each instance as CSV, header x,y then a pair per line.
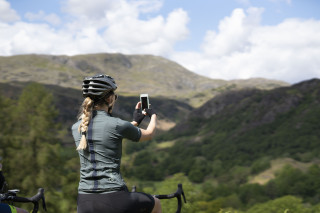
x,y
98,85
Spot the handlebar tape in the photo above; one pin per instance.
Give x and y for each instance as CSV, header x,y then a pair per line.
x,y
165,196
21,199
38,196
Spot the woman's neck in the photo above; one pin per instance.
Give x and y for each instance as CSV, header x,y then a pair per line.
x,y
104,107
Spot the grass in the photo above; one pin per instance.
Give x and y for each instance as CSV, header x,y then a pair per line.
x,y
277,165
165,145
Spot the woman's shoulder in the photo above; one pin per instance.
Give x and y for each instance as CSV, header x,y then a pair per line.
x,y
75,125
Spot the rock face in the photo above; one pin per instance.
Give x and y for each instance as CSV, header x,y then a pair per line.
x,y
254,108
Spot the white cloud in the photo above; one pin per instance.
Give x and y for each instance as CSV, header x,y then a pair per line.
x,y
233,33
94,8
97,26
52,18
6,13
243,48
240,48
147,6
25,38
154,36
102,9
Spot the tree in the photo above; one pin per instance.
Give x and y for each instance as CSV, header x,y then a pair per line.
x,y
33,156
287,204
5,124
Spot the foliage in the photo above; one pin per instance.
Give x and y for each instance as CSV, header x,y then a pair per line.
x,y
213,153
32,151
287,204
168,186
251,128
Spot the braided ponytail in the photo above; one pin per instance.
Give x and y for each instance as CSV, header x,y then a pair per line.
x,y
85,116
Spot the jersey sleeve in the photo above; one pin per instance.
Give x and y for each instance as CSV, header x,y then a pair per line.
x,y
128,130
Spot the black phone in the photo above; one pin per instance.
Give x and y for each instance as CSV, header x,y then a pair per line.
x,y
144,99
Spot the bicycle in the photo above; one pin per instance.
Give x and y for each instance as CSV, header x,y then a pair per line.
x,y
11,196
177,195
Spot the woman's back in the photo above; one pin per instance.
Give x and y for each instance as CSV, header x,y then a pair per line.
x,y
100,162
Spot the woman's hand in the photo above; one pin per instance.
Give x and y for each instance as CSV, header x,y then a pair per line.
x,y
138,116
150,112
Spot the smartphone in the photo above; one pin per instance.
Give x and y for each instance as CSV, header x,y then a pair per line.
x,y
144,99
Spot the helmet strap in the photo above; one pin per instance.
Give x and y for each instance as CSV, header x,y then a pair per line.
x,y
110,109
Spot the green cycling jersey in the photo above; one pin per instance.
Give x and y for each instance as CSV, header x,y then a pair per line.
x,y
100,161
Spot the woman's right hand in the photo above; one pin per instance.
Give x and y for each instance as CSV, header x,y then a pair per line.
x,y
150,112
137,115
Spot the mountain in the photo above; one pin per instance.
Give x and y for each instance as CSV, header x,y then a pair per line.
x,y
134,74
246,128
225,137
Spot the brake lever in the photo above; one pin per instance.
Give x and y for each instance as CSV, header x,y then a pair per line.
x,y
184,197
44,204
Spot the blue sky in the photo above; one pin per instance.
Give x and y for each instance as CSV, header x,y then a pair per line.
x,y
206,14
230,39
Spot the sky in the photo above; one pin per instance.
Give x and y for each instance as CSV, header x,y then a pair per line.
x,y
229,39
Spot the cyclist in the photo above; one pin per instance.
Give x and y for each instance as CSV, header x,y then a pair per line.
x,y
98,137
5,208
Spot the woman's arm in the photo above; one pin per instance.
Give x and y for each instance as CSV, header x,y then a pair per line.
x,y
147,134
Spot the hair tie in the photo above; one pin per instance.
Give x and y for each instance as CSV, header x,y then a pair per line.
x,y
83,133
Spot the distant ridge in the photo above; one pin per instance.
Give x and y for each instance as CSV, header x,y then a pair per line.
x,y
134,74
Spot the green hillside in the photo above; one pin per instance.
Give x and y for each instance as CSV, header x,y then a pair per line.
x,y
245,127
233,140
134,74
215,151
240,146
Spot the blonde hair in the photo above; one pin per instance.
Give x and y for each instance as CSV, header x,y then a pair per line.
x,y
85,116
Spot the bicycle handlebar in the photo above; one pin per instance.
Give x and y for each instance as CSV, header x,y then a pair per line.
x,y
11,196
177,194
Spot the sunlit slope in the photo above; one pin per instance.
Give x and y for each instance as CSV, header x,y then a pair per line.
x,y
134,74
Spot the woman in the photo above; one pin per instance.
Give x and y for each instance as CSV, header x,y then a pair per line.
x,y
98,137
